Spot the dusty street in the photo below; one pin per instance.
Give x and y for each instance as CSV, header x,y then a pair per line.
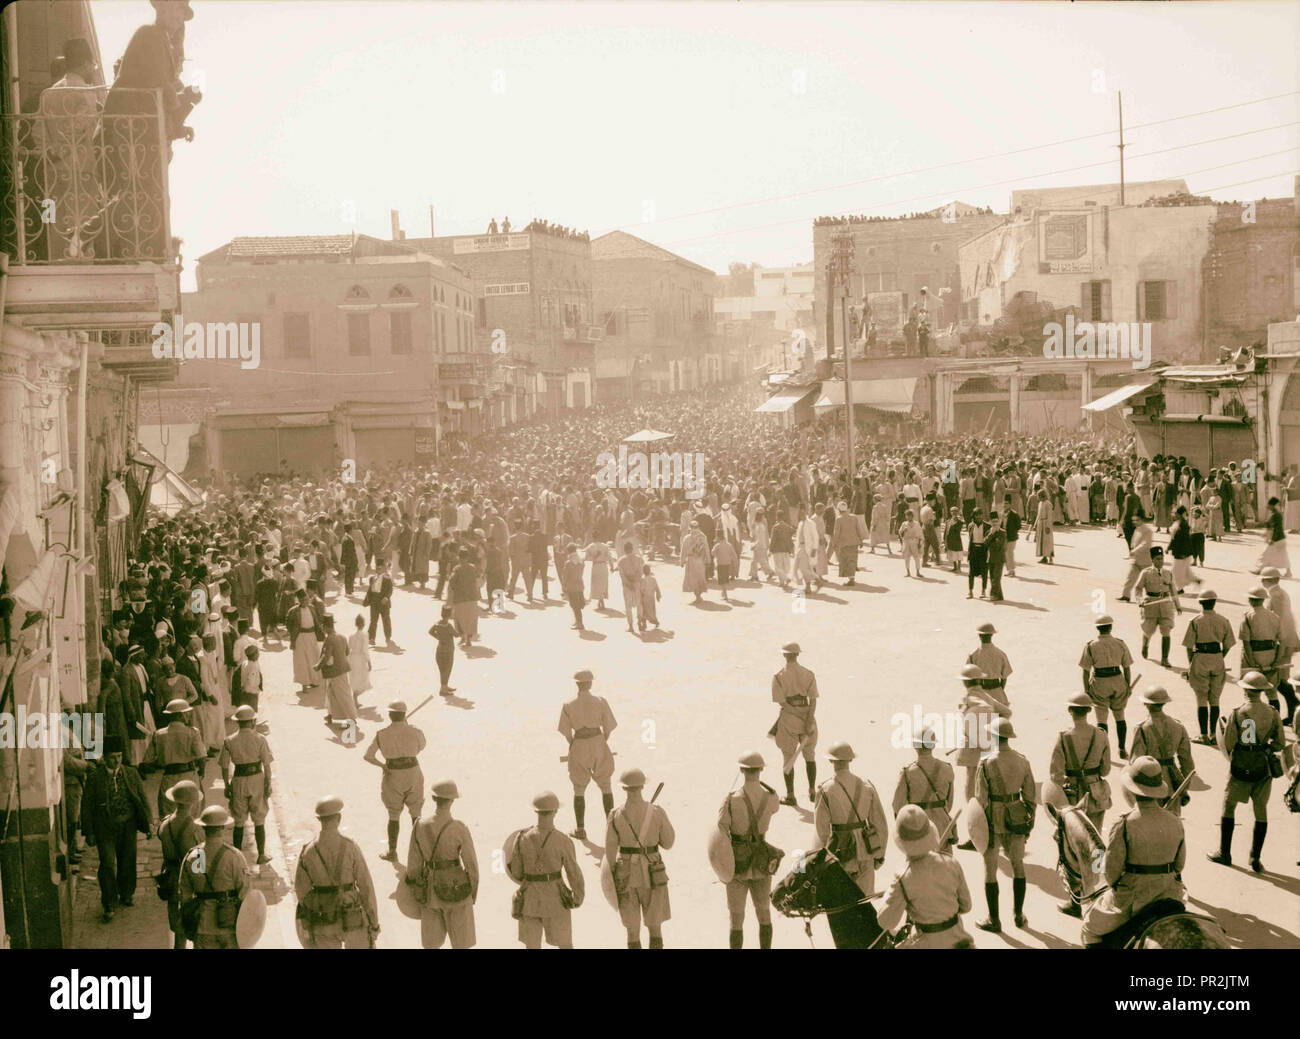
x,y
690,698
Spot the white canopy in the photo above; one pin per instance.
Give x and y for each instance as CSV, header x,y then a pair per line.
x,y
883,394
1118,396
646,436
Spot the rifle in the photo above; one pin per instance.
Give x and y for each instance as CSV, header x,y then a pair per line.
x,y
1177,794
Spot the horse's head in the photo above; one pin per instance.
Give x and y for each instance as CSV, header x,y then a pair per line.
x,y
1081,851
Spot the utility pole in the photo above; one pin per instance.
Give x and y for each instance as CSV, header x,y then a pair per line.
x,y
842,267
1121,148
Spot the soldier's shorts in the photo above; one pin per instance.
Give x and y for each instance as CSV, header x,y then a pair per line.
x,y
224,940
590,759
333,937
1011,843
1159,614
792,743
760,891
1206,675
454,922
557,929
648,903
248,797
1239,791
1111,693
402,788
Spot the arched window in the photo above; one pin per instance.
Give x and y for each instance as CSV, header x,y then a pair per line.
x,y
356,294
400,292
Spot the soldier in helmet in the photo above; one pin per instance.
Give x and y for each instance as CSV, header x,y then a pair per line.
x,y
216,875
586,722
540,859
928,783
403,782
977,708
1261,634
635,837
794,688
1081,761
1208,639
1252,735
850,821
992,661
336,897
1280,604
1106,680
442,865
931,891
1159,603
744,818
1004,786
177,750
1145,853
177,834
1164,738
248,785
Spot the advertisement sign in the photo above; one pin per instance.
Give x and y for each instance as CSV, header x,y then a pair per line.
x,y
519,288
491,243
1065,242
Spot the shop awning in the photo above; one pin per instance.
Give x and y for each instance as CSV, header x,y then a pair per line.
x,y
647,436
784,400
1118,396
894,395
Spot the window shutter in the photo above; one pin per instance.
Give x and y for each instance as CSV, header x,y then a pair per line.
x,y
1085,301
1141,301
1105,300
1171,299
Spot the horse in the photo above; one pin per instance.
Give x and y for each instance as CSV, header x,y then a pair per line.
x,y
1164,924
819,885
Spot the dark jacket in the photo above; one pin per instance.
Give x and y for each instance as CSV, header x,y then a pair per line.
x,y
94,802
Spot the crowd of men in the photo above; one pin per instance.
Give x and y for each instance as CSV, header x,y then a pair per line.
x,y
180,677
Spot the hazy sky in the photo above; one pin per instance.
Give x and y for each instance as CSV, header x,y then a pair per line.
x,y
718,130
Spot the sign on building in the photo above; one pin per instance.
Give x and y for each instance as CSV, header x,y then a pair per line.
x,y
491,243
887,312
518,288
1065,242
426,442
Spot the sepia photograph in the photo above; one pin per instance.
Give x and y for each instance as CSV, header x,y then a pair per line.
x,y
590,475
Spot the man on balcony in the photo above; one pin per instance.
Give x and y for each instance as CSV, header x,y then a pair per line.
x,y
69,114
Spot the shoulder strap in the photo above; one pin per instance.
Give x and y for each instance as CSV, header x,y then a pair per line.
x,y
853,802
753,815
216,862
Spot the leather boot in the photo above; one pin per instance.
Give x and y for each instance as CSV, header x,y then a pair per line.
x,y
1257,845
1018,901
765,936
1164,650
991,897
1224,855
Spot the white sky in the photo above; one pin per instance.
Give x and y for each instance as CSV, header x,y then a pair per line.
x,y
606,111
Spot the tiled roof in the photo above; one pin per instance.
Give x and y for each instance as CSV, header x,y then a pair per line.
x,y
291,245
619,245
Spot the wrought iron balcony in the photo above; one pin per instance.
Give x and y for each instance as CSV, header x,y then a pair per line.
x,y
82,187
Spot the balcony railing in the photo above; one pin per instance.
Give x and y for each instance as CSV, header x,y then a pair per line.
x,y
85,187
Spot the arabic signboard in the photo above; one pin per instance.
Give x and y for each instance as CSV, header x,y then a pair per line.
x,y
491,243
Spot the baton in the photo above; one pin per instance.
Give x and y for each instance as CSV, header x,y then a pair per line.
x,y
417,707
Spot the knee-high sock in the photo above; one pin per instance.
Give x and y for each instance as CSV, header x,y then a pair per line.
x,y
789,782
1225,837
633,944
1214,718
736,939
1121,731
607,802
1257,839
259,835
1164,647
579,809
656,941
238,837
991,897
1018,894
1202,719
765,936
812,772
393,827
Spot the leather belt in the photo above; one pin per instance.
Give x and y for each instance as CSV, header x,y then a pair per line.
x,y
1003,798
178,768
397,764
993,683
250,769
1106,672
846,827
587,734
1209,647
797,700
1165,867
1261,645
942,925
1080,773
444,863
538,878
649,849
